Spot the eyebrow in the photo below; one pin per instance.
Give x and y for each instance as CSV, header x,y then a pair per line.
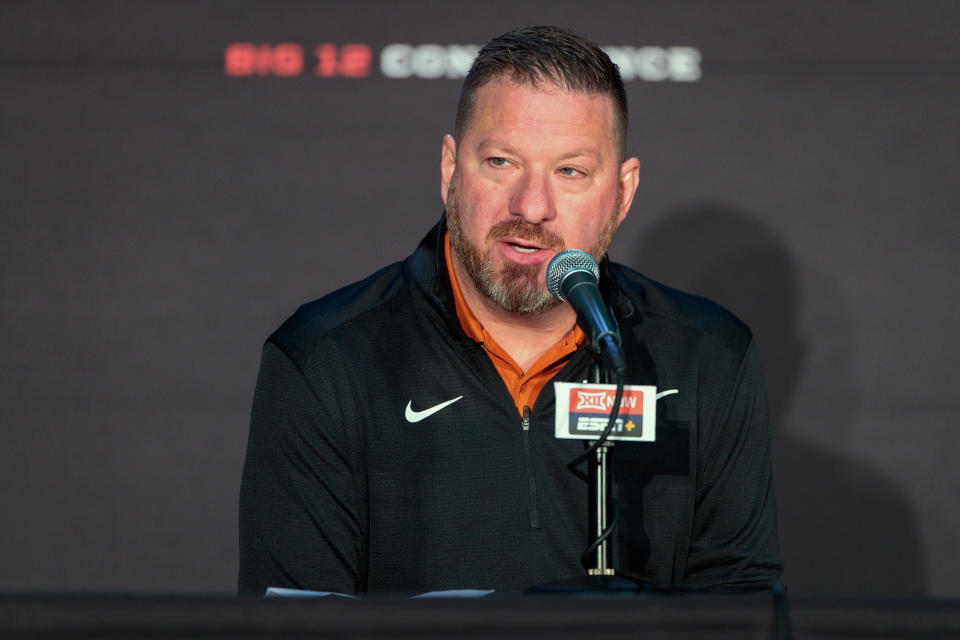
x,y
573,153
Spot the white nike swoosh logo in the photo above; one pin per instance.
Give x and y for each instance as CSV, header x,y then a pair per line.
x,y
668,392
417,416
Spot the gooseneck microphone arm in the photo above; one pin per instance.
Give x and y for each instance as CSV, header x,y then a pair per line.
x,y
573,276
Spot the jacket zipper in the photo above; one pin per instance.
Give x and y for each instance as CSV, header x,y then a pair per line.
x,y
534,514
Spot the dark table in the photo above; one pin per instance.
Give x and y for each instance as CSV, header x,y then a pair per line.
x,y
754,615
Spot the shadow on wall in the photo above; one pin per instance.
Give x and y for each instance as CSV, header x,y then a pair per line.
x,y
845,528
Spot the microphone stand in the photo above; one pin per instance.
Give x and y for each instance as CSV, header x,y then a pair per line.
x,y
601,578
600,476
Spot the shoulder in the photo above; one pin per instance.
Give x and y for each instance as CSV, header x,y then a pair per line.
x,y
312,323
660,304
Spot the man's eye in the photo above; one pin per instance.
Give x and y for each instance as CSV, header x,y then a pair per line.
x,y
498,162
569,171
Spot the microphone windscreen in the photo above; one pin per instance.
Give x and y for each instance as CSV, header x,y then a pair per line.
x,y
565,263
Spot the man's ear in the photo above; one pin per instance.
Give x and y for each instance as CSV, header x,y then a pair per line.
x,y
629,178
448,162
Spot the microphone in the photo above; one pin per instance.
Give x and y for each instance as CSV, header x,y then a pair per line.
x,y
572,276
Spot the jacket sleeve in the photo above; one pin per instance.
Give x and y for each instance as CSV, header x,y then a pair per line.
x,y
301,494
734,542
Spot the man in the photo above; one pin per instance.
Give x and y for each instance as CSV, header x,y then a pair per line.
x,y
402,430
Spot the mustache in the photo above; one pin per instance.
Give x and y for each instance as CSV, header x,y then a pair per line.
x,y
523,230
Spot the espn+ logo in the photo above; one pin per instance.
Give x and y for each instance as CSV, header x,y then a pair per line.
x,y
431,61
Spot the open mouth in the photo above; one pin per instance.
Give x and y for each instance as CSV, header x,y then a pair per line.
x,y
523,251
522,248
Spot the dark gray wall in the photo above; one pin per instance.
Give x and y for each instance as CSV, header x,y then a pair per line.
x,y
159,218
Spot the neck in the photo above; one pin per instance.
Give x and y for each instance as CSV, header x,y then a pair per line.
x,y
524,336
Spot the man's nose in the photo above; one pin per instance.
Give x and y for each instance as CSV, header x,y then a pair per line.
x,y
533,198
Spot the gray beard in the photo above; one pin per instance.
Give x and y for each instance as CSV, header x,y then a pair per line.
x,y
516,288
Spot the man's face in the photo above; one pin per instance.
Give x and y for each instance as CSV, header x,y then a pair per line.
x,y
536,172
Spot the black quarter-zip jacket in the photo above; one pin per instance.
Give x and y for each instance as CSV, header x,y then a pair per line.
x,y
356,482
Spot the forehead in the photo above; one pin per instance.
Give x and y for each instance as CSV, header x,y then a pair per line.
x,y
544,115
